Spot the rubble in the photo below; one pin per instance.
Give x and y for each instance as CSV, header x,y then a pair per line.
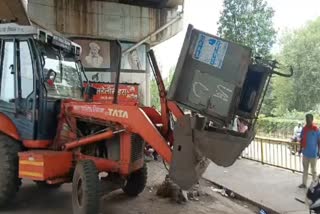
x,y
224,192
168,189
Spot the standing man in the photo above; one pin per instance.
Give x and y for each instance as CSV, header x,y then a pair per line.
x,y
310,142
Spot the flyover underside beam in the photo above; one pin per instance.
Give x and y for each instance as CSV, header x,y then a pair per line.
x,y
106,20
151,3
147,38
14,10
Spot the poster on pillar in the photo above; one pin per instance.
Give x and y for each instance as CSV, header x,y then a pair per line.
x,y
95,53
136,59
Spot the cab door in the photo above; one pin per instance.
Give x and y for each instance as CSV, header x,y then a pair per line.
x,y
17,89
25,93
7,77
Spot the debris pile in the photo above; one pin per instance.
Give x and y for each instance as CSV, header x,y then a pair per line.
x,y
224,192
168,189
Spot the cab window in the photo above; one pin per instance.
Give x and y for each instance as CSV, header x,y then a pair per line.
x,y
7,92
26,69
65,71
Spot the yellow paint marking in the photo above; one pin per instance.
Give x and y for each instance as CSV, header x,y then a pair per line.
x,y
32,163
33,174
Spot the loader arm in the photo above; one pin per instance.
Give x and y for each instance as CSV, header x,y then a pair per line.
x,y
131,118
162,92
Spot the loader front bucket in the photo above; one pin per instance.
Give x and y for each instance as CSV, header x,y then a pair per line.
x,y
194,146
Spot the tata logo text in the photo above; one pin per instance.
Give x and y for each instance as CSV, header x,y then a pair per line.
x,y
117,113
89,109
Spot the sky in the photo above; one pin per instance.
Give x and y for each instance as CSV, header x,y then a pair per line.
x,y
204,15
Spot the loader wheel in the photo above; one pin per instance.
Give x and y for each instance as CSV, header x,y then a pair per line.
x,y
85,188
136,182
9,169
45,185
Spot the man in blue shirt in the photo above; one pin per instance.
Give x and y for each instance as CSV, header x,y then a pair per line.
x,y
310,143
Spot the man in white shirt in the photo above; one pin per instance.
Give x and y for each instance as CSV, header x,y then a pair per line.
x,y
296,133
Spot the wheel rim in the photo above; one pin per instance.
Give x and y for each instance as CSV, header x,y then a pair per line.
x,y
79,194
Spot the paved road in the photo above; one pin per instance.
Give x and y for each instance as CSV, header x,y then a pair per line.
x,y
270,186
32,200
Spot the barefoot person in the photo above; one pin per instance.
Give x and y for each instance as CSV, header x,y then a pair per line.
x,y
310,149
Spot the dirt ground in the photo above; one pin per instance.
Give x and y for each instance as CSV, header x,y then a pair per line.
x,y
32,200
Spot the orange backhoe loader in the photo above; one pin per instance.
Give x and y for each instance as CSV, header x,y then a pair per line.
x,y
52,131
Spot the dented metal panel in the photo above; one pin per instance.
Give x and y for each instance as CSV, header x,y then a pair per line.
x,y
209,75
201,96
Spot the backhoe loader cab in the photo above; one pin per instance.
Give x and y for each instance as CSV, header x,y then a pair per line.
x,y
37,70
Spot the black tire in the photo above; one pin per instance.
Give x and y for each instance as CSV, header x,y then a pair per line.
x,y
9,169
85,188
45,185
136,182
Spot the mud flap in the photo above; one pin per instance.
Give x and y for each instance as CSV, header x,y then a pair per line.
x,y
194,146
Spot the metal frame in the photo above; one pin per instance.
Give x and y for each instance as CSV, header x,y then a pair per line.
x,y
117,70
275,152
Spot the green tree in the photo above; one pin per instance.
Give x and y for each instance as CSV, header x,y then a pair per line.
x,y
268,104
248,22
155,100
301,50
